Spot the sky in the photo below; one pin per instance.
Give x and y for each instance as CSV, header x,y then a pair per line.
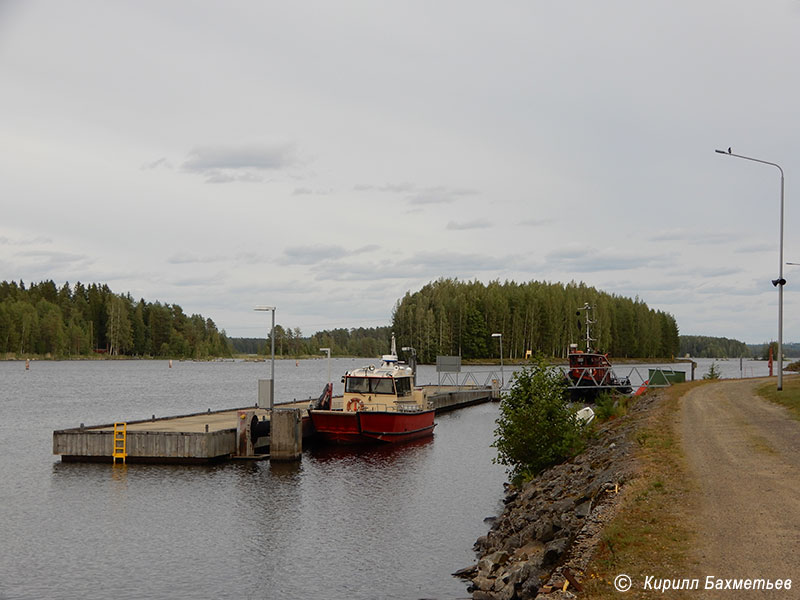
x,y
328,157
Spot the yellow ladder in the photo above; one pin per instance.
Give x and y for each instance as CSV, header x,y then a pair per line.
x,y
120,441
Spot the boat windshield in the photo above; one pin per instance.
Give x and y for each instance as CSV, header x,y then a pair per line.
x,y
403,386
369,385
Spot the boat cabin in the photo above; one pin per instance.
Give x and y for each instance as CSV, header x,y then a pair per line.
x,y
588,366
388,387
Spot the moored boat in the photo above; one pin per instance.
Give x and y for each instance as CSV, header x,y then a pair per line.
x,y
590,372
380,404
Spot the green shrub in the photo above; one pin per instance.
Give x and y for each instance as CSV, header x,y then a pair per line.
x,y
536,428
713,372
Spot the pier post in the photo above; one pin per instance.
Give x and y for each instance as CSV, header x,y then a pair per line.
x,y
244,442
286,434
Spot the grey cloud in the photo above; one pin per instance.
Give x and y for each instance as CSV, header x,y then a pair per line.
x,y
253,156
755,248
161,162
7,241
309,255
312,255
54,257
721,290
203,281
419,195
396,188
224,177
367,248
587,260
695,237
438,195
184,259
225,164
535,222
421,265
476,224
705,272
268,290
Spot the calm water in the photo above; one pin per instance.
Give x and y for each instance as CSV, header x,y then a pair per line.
x,y
391,522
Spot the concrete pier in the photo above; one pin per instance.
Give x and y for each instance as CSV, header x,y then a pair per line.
x,y
194,438
225,434
286,437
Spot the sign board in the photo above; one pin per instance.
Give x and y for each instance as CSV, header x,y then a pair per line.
x,y
448,364
266,393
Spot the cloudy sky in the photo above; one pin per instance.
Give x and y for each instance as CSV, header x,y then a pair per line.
x,y
327,157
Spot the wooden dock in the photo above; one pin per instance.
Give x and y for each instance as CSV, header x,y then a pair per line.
x,y
213,435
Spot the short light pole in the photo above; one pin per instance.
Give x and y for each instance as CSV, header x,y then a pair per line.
x,y
272,369
780,281
328,351
502,375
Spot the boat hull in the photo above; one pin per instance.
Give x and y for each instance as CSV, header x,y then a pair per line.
x,y
344,427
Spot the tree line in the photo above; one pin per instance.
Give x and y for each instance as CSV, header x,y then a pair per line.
x,y
82,320
452,317
703,346
361,341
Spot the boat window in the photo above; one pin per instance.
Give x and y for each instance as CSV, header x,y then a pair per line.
x,y
403,386
357,385
382,385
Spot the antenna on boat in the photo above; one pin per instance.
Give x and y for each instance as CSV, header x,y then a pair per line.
x,y
589,322
393,351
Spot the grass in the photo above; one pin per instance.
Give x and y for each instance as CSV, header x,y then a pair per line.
x,y
788,397
652,533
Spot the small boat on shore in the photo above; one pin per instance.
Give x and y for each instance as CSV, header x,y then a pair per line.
x,y
380,404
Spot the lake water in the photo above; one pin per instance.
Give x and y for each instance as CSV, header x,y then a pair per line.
x,y
387,522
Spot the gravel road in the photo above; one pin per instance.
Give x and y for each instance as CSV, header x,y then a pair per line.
x,y
745,453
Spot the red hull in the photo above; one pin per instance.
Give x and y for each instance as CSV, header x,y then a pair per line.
x,y
343,427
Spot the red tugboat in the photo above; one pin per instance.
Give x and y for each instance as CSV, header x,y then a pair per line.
x,y
590,372
379,404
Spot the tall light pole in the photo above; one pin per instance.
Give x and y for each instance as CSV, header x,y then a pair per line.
x,y
328,351
780,281
272,369
502,376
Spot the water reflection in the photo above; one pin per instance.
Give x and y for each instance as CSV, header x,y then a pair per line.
x,y
383,521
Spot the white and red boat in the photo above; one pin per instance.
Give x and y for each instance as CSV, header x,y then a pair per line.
x,y
380,404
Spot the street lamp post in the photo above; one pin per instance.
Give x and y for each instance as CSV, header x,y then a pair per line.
x,y
328,351
272,368
780,281
502,376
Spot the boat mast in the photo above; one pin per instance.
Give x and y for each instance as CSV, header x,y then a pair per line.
x,y
589,323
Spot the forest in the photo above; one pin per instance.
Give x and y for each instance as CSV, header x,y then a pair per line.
x,y
361,341
445,317
452,317
85,320
702,346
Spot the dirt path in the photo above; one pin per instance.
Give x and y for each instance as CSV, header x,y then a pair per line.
x,y
745,453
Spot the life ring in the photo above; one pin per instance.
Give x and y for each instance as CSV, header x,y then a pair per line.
x,y
354,404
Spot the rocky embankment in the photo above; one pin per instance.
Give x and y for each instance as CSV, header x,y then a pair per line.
x,y
550,527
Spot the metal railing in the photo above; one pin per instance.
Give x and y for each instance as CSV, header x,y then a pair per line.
x,y
468,379
608,378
